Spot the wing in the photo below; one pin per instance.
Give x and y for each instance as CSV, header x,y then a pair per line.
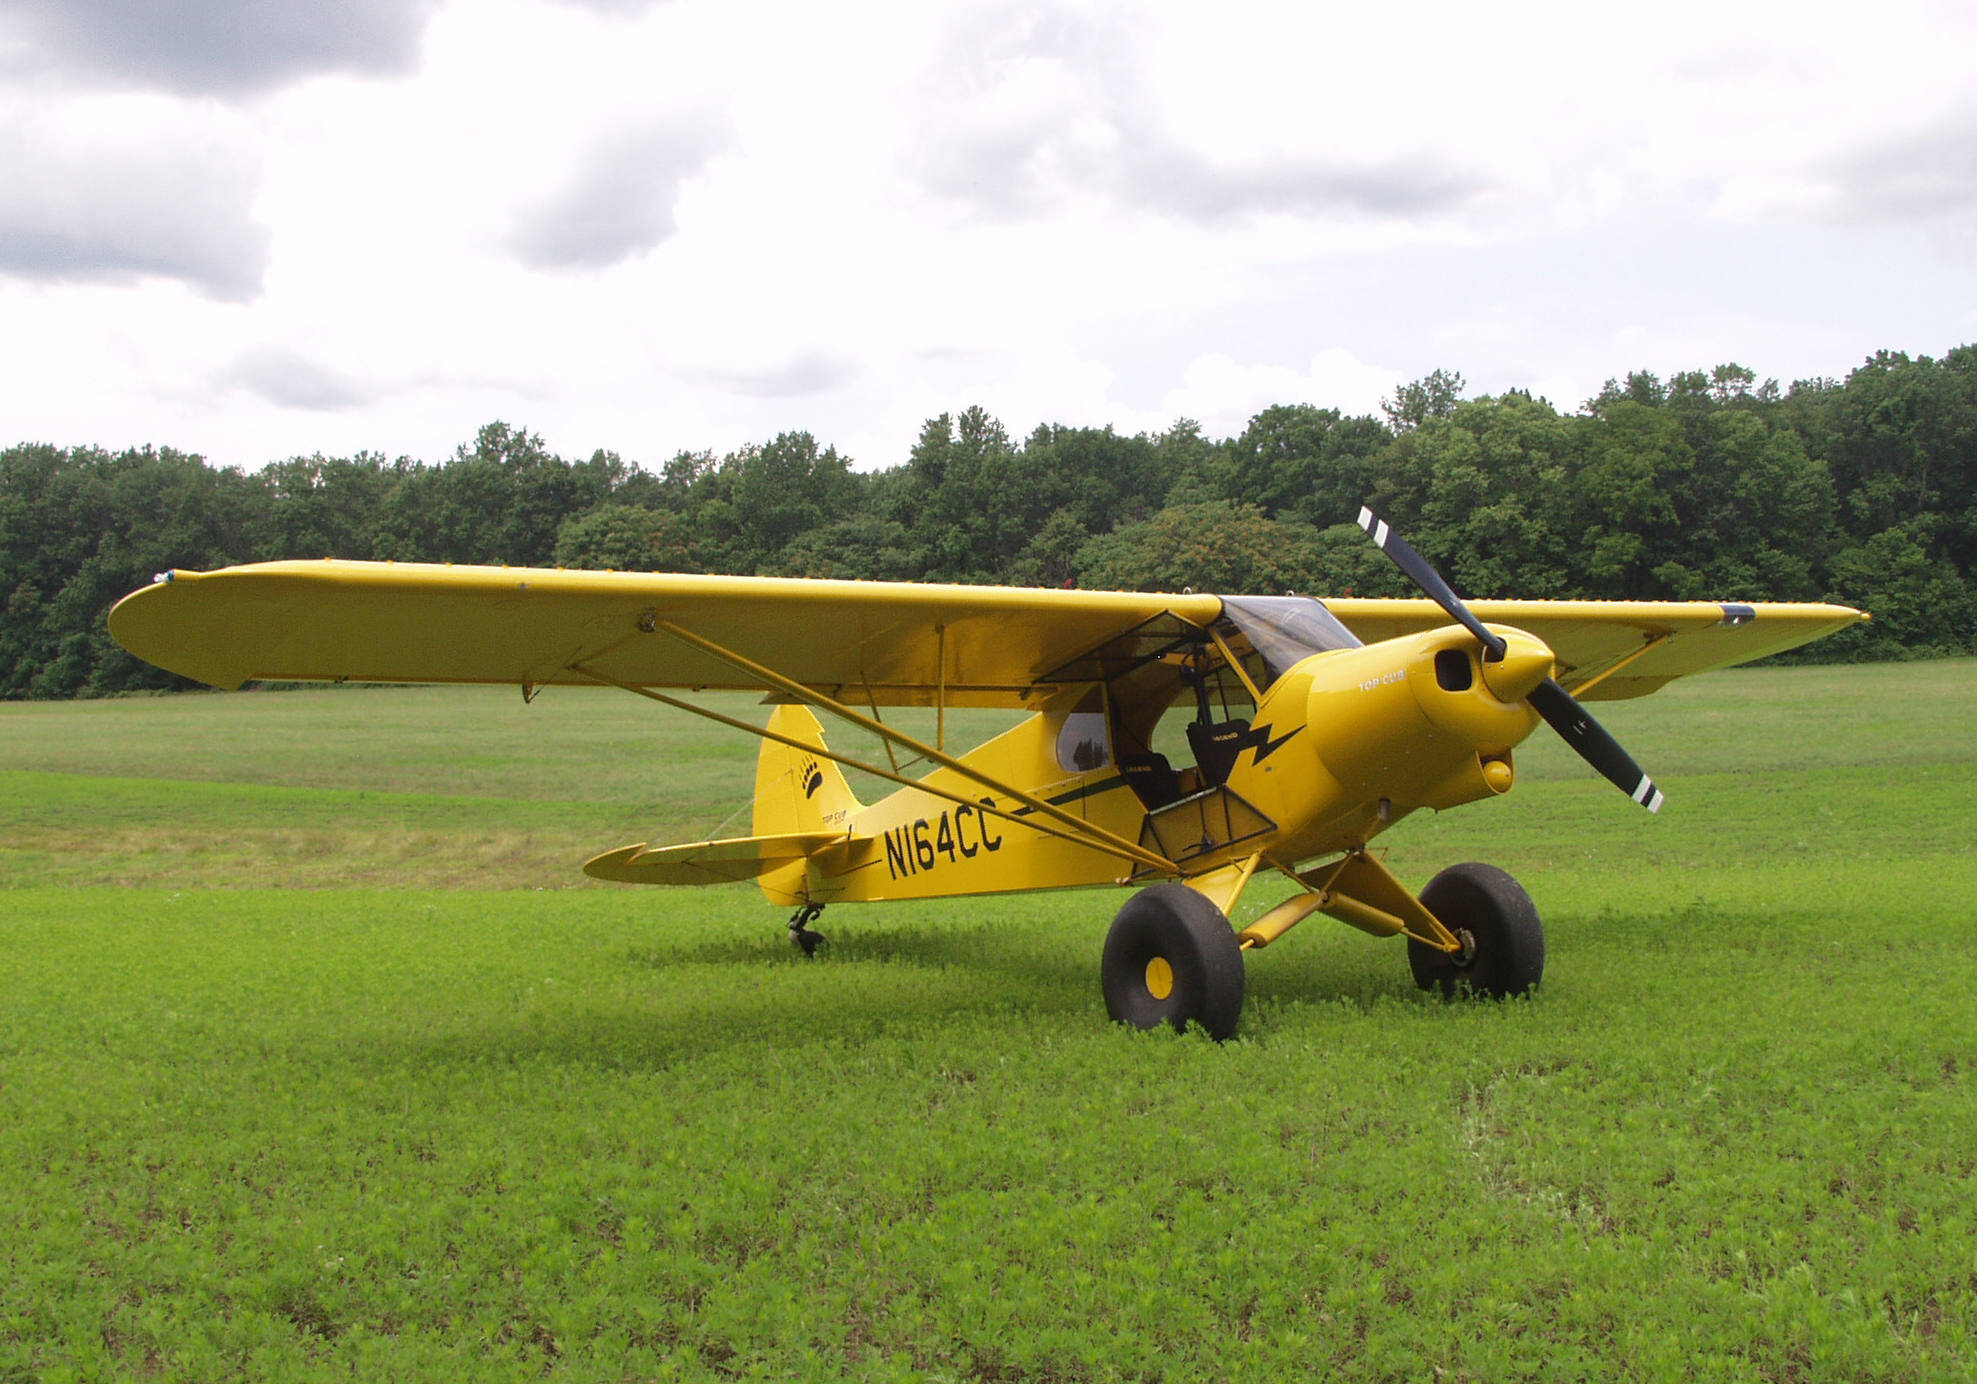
x,y
1643,644
892,643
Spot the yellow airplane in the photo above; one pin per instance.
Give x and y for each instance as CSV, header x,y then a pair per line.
x,y
1300,730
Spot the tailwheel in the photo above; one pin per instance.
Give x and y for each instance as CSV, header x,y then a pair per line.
x,y
1503,943
799,928
1172,958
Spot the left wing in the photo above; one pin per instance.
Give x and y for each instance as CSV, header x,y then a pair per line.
x,y
892,643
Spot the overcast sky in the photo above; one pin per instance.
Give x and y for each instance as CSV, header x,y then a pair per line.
x,y
261,228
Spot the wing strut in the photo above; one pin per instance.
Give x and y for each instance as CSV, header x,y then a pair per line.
x,y
1086,835
1093,834
1578,689
1083,830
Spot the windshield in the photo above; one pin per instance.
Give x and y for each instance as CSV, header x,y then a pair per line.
x,y
1286,629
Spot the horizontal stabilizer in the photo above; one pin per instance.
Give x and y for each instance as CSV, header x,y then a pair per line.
x,y
708,862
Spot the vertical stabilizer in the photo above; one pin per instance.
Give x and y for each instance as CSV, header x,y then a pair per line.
x,y
796,791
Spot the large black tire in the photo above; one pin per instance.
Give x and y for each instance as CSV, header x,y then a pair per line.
x,y
1499,928
1169,938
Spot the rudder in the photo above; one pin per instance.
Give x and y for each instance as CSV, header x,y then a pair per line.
x,y
795,790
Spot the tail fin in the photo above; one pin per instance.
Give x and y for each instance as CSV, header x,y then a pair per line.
x,y
796,791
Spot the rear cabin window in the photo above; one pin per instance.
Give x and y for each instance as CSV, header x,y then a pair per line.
x,y
1083,743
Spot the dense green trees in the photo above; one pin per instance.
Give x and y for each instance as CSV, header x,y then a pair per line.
x,y
1706,485
80,528
1294,460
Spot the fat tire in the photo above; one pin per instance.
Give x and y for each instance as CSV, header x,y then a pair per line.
x,y
1173,922
1509,941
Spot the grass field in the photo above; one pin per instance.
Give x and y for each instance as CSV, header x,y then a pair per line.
x,y
438,1113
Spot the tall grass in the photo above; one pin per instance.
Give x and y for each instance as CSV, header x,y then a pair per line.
x,y
414,1133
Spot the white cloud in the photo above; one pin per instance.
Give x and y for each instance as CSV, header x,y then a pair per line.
x,y
800,375
656,226
1223,396
1057,105
289,379
123,188
231,47
619,200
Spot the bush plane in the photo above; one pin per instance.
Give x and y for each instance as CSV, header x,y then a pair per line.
x,y
1185,744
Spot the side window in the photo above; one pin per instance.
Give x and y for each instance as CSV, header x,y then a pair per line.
x,y
1227,700
1082,744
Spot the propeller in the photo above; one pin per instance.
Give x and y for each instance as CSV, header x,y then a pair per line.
x,y
1560,710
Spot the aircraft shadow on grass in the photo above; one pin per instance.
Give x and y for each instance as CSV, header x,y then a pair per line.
x,y
1060,976
783,1001
977,947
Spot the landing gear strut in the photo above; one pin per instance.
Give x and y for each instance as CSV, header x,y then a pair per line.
x,y
799,928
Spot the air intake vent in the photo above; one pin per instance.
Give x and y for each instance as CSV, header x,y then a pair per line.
x,y
1453,670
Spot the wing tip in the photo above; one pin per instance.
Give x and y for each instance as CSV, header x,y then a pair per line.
x,y
611,865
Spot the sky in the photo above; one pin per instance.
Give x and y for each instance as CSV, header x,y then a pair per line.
x,y
255,229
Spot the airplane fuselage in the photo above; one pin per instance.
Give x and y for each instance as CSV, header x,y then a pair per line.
x,y
1340,747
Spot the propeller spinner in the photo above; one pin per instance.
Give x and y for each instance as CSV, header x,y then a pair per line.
x,y
1557,706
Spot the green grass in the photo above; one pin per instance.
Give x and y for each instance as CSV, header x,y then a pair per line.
x,y
454,787
420,786
422,1132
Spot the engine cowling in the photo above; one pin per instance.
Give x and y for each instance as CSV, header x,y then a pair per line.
x,y
1424,720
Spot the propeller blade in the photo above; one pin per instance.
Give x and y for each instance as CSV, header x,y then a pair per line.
x,y
1428,579
1585,735
1559,708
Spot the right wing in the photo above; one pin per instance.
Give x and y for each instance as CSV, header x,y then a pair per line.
x,y
1656,641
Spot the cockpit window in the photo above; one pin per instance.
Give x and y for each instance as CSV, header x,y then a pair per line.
x,y
1286,629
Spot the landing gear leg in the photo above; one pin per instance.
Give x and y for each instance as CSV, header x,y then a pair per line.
x,y
799,928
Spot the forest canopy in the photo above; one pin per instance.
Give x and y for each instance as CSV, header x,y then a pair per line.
x,y
1706,485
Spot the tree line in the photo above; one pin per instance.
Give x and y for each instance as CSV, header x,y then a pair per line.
x,y
1706,485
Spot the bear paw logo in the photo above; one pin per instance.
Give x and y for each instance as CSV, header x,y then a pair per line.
x,y
813,779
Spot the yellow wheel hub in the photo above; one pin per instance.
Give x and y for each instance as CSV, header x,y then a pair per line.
x,y
1159,978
